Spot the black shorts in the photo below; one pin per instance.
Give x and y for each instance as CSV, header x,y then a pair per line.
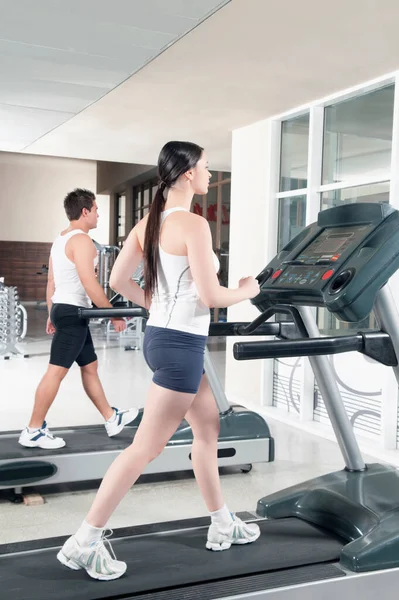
x,y
175,357
72,339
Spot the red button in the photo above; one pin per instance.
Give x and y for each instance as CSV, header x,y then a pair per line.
x,y
328,274
277,274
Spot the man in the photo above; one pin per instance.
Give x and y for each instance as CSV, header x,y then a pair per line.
x,y
72,283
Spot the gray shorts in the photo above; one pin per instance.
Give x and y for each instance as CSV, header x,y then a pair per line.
x,y
175,357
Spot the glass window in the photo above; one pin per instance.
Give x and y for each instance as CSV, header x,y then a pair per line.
x,y
146,198
291,219
358,137
225,235
121,215
294,153
211,216
378,192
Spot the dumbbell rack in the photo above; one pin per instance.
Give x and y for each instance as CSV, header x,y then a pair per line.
x,y
13,323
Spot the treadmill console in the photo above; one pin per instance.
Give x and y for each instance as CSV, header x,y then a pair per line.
x,y
340,262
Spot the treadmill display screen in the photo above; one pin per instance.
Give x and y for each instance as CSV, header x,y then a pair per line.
x,y
333,242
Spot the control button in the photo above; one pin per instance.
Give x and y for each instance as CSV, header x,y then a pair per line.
x,y
328,274
277,274
264,276
324,261
303,281
293,262
335,257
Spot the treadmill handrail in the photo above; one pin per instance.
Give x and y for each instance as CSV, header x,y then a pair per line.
x,y
113,313
285,309
234,328
377,345
302,347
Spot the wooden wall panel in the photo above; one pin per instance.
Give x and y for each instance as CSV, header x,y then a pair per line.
x,y
20,263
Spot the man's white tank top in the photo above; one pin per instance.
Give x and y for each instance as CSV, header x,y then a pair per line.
x,y
68,287
176,303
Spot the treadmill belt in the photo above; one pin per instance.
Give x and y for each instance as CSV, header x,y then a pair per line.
x,y
166,560
78,440
244,585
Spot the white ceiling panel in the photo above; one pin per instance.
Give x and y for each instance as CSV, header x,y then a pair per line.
x,y
48,95
249,61
64,58
30,69
82,35
28,123
57,57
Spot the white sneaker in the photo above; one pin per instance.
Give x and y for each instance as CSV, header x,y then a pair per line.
x,y
120,419
95,559
222,537
40,438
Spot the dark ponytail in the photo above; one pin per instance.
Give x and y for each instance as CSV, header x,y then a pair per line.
x,y
175,159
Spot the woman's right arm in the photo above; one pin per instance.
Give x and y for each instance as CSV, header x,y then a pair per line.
x,y
200,258
125,265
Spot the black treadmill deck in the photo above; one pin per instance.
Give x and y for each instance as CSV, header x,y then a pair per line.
x,y
78,440
165,559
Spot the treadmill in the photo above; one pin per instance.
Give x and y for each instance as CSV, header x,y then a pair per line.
x,y
336,535
244,438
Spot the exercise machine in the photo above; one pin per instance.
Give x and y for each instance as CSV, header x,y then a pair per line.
x,y
244,438
337,535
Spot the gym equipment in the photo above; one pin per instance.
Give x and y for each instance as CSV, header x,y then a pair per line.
x,y
244,438
13,322
106,258
333,536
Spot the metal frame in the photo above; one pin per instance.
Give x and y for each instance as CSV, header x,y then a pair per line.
x,y
93,465
368,586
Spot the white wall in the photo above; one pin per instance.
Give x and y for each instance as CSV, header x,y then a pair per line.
x,y
365,386
250,245
32,189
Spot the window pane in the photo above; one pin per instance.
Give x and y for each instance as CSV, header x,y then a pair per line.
x,y
291,219
294,153
214,177
378,192
225,235
146,196
358,137
121,215
211,215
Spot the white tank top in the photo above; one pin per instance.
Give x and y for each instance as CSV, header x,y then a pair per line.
x,y
68,287
176,304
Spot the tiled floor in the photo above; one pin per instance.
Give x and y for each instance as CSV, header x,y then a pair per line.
x,y
125,376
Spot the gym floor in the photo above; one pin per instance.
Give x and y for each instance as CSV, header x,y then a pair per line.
x,y
125,377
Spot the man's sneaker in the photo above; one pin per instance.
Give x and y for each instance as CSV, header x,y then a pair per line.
x,y
95,559
120,419
40,438
221,537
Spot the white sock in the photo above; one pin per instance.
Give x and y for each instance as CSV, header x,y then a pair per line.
x,y
221,516
86,534
32,429
112,418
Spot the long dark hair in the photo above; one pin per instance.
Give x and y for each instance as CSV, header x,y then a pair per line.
x,y
175,159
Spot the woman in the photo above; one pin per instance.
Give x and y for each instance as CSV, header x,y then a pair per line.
x,y
181,284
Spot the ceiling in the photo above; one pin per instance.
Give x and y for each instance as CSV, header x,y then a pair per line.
x,y
248,61
58,57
